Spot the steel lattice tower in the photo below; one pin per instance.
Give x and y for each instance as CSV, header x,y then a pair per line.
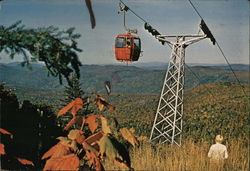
x,y
167,125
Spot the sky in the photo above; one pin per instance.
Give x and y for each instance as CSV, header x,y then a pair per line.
x,y
227,19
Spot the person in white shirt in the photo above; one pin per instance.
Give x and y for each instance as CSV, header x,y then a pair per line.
x,y
217,153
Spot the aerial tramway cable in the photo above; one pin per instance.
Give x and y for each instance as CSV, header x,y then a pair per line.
x,y
205,29
133,12
220,49
167,125
154,32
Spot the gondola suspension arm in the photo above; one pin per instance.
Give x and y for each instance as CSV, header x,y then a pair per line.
x,y
124,9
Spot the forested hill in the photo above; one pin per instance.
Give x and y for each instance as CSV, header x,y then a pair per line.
x,y
127,79
208,110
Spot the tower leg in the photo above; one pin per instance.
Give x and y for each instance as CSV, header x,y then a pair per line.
x,y
167,125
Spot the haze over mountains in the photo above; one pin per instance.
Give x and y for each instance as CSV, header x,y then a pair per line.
x,y
135,78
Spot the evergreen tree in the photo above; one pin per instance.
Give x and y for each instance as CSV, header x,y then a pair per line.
x,y
73,90
57,49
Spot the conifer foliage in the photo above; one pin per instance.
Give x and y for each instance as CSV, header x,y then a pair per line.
x,y
57,49
72,91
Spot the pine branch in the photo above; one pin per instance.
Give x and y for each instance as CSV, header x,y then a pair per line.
x,y
57,49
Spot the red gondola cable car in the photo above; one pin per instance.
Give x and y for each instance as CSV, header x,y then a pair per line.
x,y
127,46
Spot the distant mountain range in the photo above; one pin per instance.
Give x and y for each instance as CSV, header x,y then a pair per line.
x,y
161,66
135,78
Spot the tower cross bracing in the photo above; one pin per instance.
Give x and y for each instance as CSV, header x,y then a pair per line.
x,y
167,126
